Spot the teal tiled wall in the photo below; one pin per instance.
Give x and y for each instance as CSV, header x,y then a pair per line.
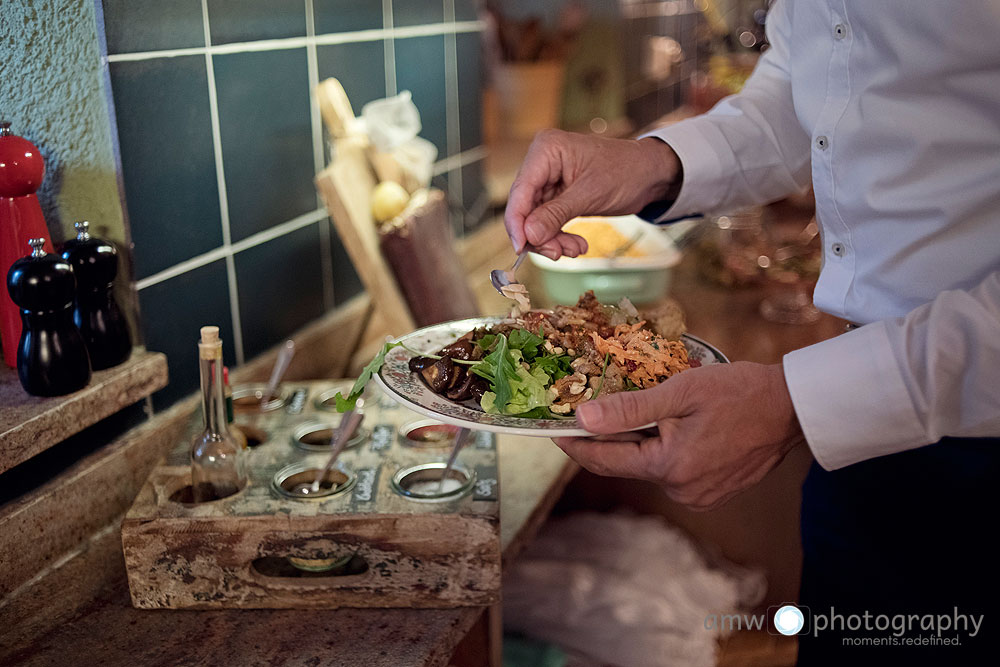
x,y
219,144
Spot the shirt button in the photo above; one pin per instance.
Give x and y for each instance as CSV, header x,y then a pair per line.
x,y
840,31
822,142
838,249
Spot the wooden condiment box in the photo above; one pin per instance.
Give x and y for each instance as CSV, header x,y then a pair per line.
x,y
368,545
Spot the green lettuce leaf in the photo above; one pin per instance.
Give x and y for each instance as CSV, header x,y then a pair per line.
x,y
556,365
351,400
528,391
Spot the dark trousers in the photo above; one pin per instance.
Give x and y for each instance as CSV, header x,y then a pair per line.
x,y
913,534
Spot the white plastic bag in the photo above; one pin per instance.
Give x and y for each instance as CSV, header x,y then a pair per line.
x,y
392,121
392,125
624,590
417,158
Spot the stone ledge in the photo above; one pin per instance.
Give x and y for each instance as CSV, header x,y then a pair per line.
x,y
30,424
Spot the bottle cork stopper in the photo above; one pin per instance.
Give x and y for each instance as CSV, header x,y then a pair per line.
x,y
210,346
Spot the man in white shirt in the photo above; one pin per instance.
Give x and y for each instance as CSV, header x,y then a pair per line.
x,y
892,112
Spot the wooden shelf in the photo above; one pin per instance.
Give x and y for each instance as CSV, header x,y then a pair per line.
x,y
29,424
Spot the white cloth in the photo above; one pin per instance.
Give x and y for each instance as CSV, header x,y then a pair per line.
x,y
626,590
893,108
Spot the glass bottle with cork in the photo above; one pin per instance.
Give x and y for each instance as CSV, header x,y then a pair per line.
x,y
218,461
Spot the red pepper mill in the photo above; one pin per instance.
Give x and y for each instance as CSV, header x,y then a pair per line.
x,y
21,171
95,311
51,354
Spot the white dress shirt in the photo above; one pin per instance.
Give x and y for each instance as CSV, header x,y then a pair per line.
x,y
893,109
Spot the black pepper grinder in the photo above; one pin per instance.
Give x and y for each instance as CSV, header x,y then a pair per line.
x,y
95,311
51,355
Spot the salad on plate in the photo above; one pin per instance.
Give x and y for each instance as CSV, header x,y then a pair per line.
x,y
543,364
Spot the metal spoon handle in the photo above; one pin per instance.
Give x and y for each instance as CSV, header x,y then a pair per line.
x,y
280,366
348,426
520,258
460,437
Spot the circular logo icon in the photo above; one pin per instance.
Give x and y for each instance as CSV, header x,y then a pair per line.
x,y
788,620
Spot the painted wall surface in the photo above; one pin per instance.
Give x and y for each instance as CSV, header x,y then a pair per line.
x,y
52,91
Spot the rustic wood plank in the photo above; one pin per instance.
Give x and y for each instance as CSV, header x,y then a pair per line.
x,y
111,632
418,554
56,538
37,528
31,424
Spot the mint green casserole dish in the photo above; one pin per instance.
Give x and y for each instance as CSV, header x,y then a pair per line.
x,y
642,279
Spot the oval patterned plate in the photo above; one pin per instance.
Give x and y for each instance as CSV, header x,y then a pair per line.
x,y
399,382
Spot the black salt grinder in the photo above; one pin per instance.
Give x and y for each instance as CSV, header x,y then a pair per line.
x,y
51,355
95,311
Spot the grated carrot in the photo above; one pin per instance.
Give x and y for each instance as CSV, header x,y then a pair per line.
x,y
644,357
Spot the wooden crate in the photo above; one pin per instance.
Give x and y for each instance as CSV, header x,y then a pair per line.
x,y
233,552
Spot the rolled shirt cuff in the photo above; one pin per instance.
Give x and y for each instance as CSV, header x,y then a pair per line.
x,y
705,170
851,400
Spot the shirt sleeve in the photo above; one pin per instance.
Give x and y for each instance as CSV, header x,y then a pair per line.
x,y
750,148
899,384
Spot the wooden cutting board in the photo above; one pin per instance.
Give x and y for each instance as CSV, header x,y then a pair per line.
x,y
346,186
410,270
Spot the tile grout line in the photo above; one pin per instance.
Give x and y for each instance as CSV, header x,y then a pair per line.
x,y
182,267
220,175
452,121
312,65
371,35
459,160
270,234
389,49
278,231
442,166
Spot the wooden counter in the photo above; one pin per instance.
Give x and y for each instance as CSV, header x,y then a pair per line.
x,y
110,632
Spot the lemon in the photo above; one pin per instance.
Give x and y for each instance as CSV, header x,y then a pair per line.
x,y
388,200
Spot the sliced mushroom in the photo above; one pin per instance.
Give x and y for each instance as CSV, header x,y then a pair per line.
x,y
439,375
457,378
460,349
463,390
479,387
418,364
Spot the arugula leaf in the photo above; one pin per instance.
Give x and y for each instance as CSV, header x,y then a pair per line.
x,y
351,400
499,367
486,342
555,365
527,342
